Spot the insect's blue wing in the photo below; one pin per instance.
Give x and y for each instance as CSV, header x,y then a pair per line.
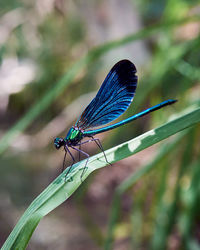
x,y
113,98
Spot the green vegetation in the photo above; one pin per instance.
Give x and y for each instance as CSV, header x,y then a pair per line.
x,y
62,188
154,200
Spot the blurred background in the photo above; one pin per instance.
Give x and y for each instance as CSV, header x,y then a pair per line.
x,y
54,55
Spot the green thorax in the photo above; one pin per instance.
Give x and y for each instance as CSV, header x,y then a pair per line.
x,y
74,136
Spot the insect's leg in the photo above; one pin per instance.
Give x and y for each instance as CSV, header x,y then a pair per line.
x,y
67,149
98,142
79,153
63,167
73,159
81,143
87,155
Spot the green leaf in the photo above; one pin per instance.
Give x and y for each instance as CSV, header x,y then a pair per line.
x,y
63,187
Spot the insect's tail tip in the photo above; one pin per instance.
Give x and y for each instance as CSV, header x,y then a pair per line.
x,y
173,101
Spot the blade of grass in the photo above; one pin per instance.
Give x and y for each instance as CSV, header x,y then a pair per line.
x,y
190,200
60,190
168,209
187,70
136,218
162,207
129,182
92,55
165,150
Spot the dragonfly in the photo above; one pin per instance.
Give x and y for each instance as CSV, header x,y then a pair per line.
x,y
112,100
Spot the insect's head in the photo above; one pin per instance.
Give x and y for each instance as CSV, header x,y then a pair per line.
x,y
59,142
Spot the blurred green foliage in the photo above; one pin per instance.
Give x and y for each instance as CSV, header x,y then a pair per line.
x,y
160,201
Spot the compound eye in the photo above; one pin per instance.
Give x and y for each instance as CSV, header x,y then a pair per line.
x,y
57,146
58,142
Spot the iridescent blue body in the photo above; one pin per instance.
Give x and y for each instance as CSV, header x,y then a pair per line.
x,y
112,100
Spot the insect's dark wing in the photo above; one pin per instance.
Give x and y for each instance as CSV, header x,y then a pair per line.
x,y
113,98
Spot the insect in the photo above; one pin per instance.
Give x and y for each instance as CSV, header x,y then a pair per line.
x,y
113,98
